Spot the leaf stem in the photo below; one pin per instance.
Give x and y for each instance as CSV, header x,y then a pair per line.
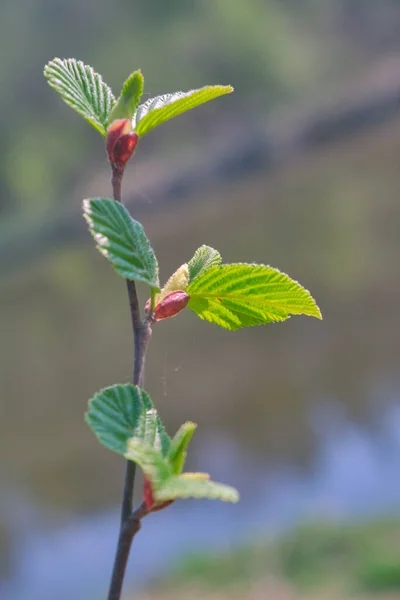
x,y
130,520
116,182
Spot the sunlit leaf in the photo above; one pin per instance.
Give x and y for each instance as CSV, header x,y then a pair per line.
x,y
160,109
241,295
82,89
121,240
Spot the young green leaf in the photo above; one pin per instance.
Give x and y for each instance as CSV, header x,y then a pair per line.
x,y
241,295
160,109
204,258
121,240
117,414
167,486
82,89
181,486
122,413
178,449
153,465
178,281
127,103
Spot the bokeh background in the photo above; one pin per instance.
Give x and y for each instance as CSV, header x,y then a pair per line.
x,y
299,169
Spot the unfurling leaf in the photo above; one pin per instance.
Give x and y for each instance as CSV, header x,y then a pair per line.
x,y
129,99
160,109
163,485
241,295
179,445
204,258
121,240
124,420
178,281
82,89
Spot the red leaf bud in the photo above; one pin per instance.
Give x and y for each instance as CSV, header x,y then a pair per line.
x,y
121,142
171,305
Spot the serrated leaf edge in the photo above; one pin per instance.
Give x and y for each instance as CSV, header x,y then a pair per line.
x,y
313,305
52,77
103,242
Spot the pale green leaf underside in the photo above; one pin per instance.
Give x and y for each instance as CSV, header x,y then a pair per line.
x,y
178,281
121,240
125,412
129,99
152,463
179,487
162,441
160,109
242,295
204,258
168,486
82,89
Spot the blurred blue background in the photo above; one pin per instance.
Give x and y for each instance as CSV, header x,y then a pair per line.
x,y
299,169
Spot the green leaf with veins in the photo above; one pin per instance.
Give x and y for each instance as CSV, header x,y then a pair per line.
x,y
82,89
160,109
117,414
242,295
204,258
121,240
125,412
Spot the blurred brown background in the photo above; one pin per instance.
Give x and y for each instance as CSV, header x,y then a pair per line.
x,y
299,169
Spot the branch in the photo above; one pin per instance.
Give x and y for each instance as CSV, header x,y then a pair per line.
x,y
130,521
127,532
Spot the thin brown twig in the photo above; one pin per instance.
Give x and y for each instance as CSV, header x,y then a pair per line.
x,y
130,520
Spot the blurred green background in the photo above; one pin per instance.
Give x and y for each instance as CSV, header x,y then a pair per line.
x,y
299,169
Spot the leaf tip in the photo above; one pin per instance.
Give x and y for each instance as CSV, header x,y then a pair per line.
x,y
317,313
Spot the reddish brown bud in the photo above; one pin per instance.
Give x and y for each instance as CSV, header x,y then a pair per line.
x,y
171,305
124,148
121,142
